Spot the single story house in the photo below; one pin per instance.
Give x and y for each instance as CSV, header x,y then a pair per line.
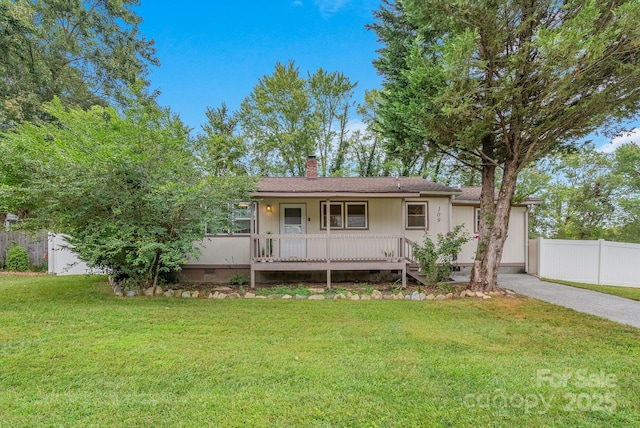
x,y
322,228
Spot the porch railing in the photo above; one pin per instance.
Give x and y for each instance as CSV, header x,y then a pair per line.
x,y
334,247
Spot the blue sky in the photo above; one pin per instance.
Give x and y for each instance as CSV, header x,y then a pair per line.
x,y
215,51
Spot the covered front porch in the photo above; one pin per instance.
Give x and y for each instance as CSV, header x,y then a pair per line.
x,y
330,252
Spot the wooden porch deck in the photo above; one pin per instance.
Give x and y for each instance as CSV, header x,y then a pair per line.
x,y
330,252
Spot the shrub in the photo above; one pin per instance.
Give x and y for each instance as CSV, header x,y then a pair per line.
x,y
17,259
436,261
238,279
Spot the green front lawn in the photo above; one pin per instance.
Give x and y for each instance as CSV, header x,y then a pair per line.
x,y
72,354
627,292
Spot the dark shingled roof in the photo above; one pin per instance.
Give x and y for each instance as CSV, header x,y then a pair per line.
x,y
472,194
350,185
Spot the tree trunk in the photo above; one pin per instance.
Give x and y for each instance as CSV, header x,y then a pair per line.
x,y
494,224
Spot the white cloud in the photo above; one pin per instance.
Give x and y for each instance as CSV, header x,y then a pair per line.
x,y
356,125
330,7
628,137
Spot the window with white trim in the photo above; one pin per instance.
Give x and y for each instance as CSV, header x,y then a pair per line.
x,y
235,220
345,215
417,217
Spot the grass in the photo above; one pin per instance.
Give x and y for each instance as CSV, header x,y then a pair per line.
x,y
72,354
627,292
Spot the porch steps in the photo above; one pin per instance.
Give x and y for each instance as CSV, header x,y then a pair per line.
x,y
413,271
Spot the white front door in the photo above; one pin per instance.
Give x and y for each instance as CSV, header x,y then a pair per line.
x,y
293,221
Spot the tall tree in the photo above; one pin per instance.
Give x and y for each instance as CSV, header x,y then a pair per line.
x,y
83,52
366,152
331,100
580,198
220,148
277,122
405,146
286,118
501,84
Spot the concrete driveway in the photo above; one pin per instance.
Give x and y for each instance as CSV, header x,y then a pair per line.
x,y
614,308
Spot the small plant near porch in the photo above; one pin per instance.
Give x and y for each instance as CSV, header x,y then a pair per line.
x,y
436,260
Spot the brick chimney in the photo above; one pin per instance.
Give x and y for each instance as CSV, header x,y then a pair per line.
x,y
312,167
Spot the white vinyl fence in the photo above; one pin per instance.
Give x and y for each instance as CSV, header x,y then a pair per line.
x,y
63,261
592,262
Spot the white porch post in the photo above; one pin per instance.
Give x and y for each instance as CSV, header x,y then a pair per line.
x,y
252,216
327,239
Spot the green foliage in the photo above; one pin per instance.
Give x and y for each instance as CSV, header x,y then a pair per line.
x,y
17,259
587,194
220,149
85,53
287,117
437,259
498,85
127,189
238,279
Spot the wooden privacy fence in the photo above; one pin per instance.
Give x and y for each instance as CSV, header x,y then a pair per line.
x,y
36,245
593,262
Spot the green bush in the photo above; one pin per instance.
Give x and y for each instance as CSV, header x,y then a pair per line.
x,y
17,259
436,260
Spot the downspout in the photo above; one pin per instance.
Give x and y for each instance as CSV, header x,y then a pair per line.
x,y
450,212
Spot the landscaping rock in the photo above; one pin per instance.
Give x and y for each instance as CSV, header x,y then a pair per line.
x,y
485,297
387,297
463,294
470,293
339,296
117,290
195,294
148,291
221,296
415,296
168,293
376,295
273,296
316,290
261,297
479,294
398,296
210,295
349,294
354,296
449,296
300,297
233,296
159,291
226,289
186,294
177,293
431,297
130,293
316,297
287,296
365,297
422,296
440,297
407,297
249,295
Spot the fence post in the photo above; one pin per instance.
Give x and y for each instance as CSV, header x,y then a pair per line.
x,y
600,243
540,243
